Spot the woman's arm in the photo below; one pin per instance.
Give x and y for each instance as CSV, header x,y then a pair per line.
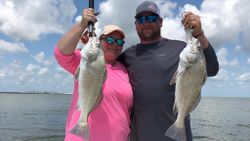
x,y
67,44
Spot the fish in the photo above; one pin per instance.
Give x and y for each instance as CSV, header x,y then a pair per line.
x,y
91,75
189,78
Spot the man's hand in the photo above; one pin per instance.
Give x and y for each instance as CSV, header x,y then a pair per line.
x,y
192,21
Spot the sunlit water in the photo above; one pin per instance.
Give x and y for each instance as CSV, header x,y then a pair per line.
x,y
33,117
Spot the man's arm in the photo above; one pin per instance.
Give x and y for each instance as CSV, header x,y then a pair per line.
x,y
211,61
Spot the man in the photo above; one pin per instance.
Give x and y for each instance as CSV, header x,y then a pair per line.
x,y
151,65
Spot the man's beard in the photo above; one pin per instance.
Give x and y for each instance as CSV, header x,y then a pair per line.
x,y
154,34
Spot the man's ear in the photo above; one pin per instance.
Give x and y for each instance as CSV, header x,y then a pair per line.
x,y
161,20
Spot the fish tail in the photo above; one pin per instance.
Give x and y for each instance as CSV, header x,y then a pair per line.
x,y
81,131
176,133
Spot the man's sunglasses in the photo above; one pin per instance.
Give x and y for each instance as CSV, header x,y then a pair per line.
x,y
111,41
148,19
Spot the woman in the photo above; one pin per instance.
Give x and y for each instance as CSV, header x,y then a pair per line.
x,y
110,120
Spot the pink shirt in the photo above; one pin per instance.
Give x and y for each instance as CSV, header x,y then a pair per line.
x,y
110,120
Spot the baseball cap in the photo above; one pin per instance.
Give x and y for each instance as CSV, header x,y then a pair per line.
x,y
111,28
147,6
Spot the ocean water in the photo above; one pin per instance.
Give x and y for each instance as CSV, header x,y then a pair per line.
x,y
33,117
41,117
221,119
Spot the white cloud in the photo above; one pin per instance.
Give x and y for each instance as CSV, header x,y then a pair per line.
x,y
222,54
242,7
221,23
125,17
173,29
33,77
7,47
13,71
59,13
47,63
248,61
43,71
28,20
244,77
166,7
238,49
234,62
31,68
219,19
222,75
40,57
2,73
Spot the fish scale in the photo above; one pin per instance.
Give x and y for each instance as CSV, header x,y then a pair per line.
x,y
189,78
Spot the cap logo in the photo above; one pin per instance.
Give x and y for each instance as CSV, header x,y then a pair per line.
x,y
152,7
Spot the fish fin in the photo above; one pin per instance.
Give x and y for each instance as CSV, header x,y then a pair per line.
x,y
105,76
176,133
198,99
205,78
97,101
100,95
77,73
179,71
173,80
175,108
81,131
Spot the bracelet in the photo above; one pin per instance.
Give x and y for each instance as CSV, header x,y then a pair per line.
x,y
199,34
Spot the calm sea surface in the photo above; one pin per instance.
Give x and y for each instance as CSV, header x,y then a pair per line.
x,y
41,117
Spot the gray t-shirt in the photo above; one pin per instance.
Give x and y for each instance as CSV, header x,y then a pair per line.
x,y
151,68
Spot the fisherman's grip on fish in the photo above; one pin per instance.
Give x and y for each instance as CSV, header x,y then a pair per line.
x,y
189,78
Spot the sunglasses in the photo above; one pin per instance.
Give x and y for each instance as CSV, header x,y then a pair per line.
x,y
111,41
148,19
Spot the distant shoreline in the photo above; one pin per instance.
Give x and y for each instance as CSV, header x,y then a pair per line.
x,y
57,93
54,93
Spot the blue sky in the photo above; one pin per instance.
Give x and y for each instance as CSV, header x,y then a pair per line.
x,y
29,31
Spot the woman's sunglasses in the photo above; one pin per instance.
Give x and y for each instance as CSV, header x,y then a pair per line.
x,y
148,19
111,41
